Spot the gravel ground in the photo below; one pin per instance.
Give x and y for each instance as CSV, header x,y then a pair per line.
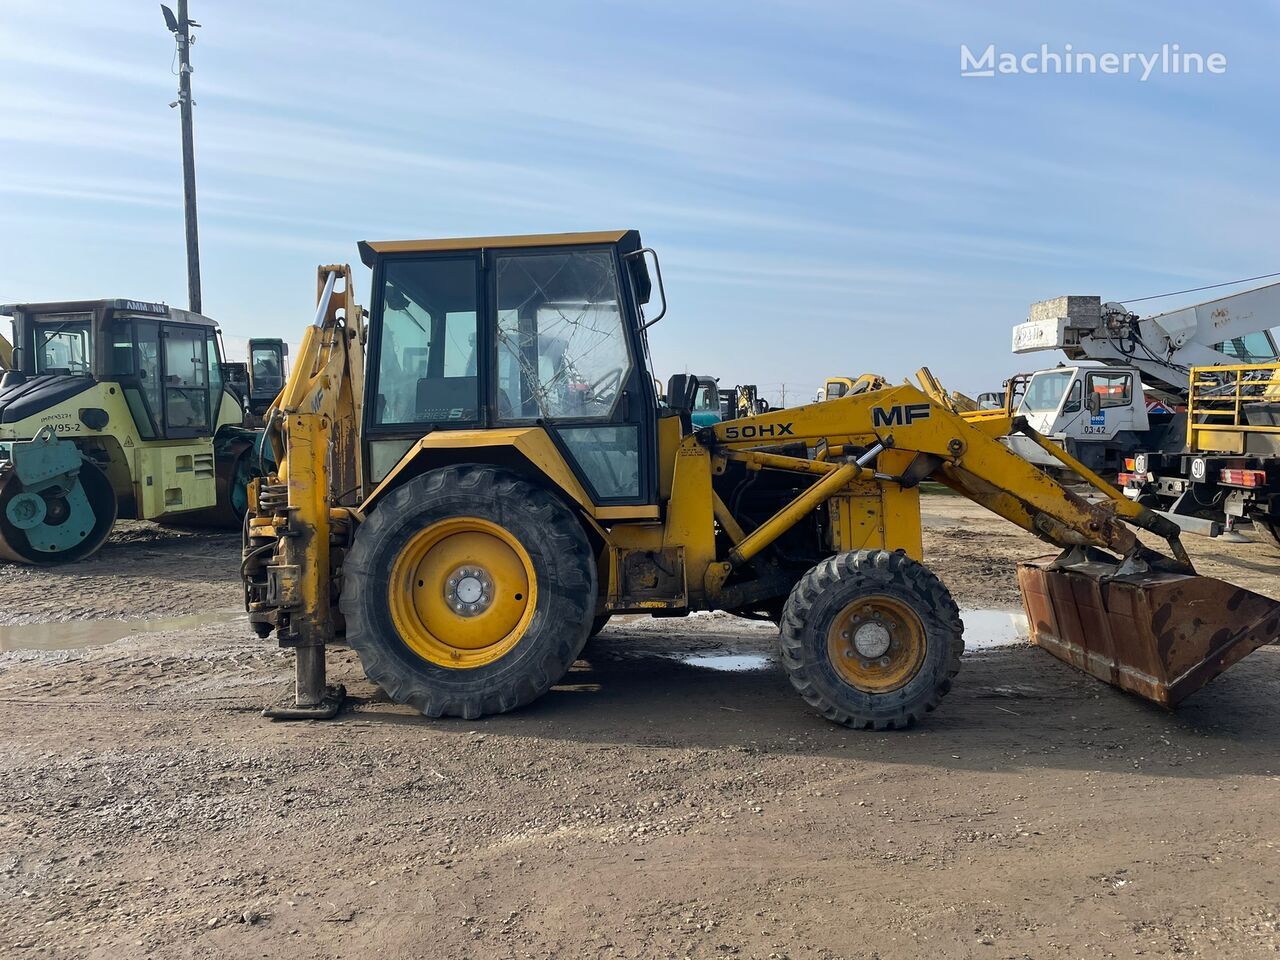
x,y
648,807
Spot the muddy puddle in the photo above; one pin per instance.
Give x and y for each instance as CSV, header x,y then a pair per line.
x,y
987,629
80,634
728,662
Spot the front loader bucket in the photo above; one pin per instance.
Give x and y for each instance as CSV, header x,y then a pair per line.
x,y
1162,636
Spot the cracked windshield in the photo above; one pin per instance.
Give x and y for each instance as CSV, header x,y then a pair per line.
x,y
562,352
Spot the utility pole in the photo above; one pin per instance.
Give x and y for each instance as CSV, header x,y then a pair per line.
x,y
782,401
180,26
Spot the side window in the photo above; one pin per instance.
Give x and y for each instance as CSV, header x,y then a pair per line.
x,y
561,336
609,456
836,389
148,360
64,345
1114,389
125,361
268,377
121,357
186,381
1074,396
427,354
708,399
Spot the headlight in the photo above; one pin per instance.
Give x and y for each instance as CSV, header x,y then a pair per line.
x,y
1199,468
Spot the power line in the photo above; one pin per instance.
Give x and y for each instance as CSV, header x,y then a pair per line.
x,y
1211,286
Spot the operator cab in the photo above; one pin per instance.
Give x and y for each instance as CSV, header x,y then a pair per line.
x,y
706,403
492,332
268,370
166,361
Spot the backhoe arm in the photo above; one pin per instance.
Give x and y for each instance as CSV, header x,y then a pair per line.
x,y
327,377
313,427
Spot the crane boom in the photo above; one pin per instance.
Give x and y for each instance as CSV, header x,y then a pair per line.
x,y
1163,346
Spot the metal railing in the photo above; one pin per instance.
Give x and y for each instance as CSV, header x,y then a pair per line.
x,y
1234,400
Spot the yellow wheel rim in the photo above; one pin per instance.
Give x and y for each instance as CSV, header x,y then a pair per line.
x,y
876,644
462,592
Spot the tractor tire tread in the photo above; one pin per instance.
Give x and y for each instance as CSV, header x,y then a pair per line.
x,y
564,621
900,575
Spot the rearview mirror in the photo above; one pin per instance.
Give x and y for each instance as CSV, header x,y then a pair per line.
x,y
638,258
1094,403
682,392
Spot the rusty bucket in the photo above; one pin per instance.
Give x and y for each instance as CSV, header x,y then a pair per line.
x,y
1162,636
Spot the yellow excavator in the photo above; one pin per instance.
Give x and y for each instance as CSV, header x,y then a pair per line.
x,y
473,481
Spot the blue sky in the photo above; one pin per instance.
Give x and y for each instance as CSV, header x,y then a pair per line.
x,y
826,192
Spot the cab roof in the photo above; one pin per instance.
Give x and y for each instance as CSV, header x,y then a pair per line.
x,y
628,239
114,306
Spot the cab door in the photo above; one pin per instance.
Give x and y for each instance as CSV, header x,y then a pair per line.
x,y
567,355
185,381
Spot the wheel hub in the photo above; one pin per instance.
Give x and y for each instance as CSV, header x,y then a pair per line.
x,y
26,510
462,592
469,591
876,644
872,640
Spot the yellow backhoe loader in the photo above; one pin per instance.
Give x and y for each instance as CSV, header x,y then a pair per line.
x,y
836,387
465,507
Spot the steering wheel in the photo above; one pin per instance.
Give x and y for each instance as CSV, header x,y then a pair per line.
x,y
615,374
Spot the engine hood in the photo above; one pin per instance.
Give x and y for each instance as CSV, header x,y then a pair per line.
x,y
35,394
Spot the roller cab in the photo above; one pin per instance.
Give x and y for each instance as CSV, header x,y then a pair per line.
x,y
114,408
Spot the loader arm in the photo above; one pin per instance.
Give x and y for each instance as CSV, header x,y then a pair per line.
x,y
965,455
1143,622
327,378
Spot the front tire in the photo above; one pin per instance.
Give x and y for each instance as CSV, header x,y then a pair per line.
x,y
468,591
871,639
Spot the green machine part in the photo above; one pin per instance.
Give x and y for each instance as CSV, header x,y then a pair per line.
x,y
51,508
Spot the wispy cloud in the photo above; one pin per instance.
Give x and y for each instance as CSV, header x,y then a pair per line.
x,y
815,167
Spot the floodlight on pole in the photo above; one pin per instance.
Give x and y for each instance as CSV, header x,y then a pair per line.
x,y
180,26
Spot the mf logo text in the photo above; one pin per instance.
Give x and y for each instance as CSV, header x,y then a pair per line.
x,y
902,415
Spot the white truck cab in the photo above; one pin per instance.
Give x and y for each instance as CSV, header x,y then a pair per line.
x,y
1091,411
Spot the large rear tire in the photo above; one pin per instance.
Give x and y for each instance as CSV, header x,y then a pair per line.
x,y
468,591
871,639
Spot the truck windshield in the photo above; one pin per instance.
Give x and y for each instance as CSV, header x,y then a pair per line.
x,y
64,345
1045,391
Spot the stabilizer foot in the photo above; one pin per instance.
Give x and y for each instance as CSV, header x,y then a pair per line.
x,y
326,709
